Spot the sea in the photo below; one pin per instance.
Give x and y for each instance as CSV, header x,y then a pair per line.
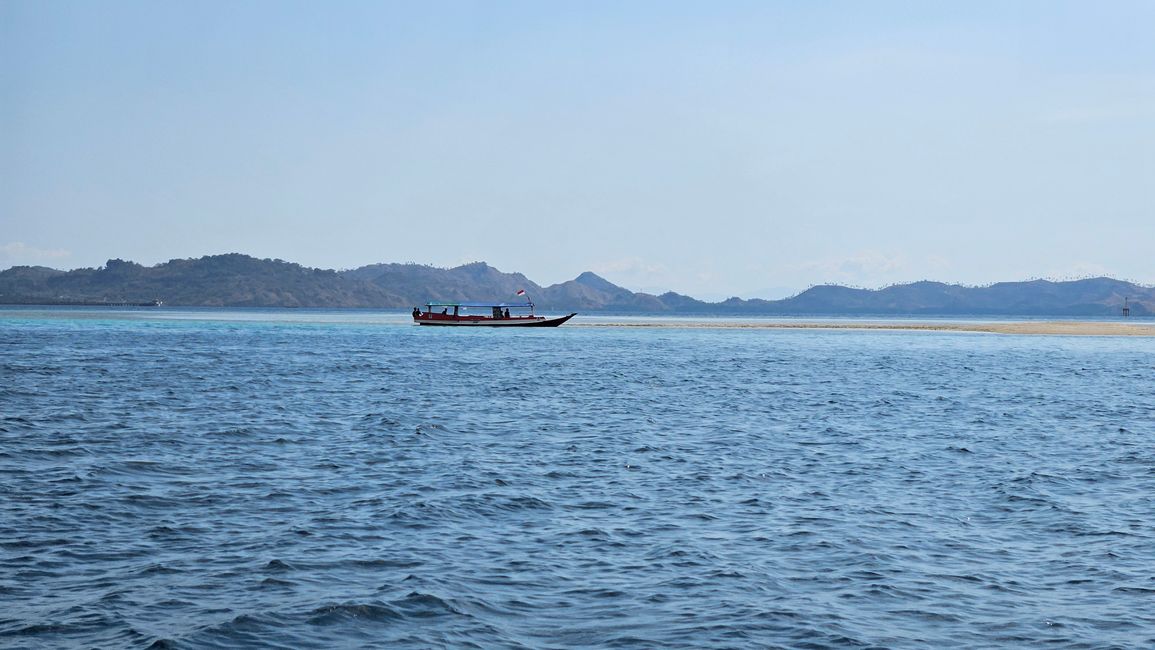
x,y
326,479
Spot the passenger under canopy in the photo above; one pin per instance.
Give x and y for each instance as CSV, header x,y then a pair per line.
x,y
481,305
496,310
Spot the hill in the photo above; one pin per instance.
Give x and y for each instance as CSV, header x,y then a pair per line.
x,y
236,280
1089,297
231,280
414,284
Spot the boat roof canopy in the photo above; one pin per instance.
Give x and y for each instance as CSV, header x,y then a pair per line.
x,y
487,305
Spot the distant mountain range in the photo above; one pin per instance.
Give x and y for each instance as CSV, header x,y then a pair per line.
x,y
235,280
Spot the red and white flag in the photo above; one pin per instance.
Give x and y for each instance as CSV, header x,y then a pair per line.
x,y
521,292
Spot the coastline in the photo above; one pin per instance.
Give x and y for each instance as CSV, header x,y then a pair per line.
x,y
1035,328
1142,328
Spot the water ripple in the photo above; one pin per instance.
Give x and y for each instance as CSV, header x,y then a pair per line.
x,y
218,482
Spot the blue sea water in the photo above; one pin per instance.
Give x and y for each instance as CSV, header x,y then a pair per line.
x,y
293,479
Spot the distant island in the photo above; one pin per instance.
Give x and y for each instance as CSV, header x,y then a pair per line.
x,y
236,280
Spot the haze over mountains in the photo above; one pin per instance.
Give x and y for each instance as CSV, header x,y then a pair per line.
x,y
235,280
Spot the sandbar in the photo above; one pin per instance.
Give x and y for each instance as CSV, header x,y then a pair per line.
x,y
1040,328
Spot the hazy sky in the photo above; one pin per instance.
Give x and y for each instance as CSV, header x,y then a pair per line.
x,y
711,148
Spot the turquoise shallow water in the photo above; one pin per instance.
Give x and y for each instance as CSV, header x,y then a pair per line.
x,y
322,479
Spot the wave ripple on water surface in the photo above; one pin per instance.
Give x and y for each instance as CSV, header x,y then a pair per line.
x,y
211,483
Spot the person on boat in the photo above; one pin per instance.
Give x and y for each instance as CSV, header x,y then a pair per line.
x,y
507,312
445,311
416,312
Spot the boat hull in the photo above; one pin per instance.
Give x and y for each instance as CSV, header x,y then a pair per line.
x,y
441,320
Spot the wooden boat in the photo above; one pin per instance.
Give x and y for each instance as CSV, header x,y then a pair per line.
x,y
484,314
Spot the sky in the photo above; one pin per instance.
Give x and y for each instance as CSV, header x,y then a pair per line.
x,y
715,149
